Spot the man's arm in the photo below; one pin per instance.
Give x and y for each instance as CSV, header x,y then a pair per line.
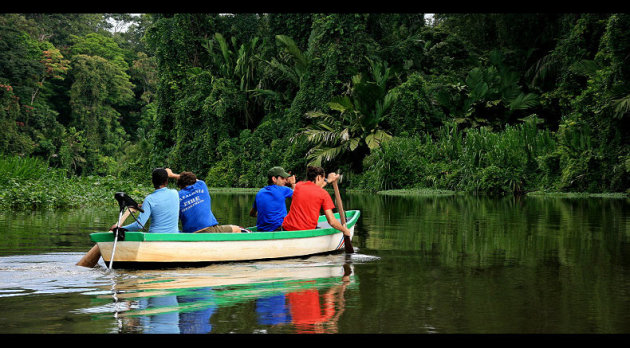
x,y
171,174
124,217
142,218
334,223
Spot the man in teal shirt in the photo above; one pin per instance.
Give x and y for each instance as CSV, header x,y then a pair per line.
x,y
162,206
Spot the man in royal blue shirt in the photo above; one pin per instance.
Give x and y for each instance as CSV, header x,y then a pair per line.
x,y
195,209
269,205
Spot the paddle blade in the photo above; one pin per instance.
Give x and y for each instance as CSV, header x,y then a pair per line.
x,y
348,244
125,201
91,258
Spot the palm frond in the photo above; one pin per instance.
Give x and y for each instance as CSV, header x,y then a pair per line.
x,y
288,43
265,92
285,71
315,114
585,67
390,98
319,155
341,104
375,139
316,136
354,143
381,73
544,67
225,50
524,101
622,106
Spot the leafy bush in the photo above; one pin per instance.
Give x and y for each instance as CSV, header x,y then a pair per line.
x,y
30,184
413,111
478,160
21,168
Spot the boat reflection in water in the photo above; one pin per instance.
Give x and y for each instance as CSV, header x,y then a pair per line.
x,y
289,296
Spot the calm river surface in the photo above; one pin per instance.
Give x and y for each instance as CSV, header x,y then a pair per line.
x,y
442,264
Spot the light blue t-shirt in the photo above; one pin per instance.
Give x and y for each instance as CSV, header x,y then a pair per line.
x,y
162,206
195,208
271,206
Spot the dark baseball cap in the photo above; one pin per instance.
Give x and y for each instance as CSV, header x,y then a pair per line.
x,y
278,171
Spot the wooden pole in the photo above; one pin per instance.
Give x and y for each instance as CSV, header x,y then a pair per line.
x,y
342,215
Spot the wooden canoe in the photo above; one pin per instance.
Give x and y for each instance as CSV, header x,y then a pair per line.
x,y
148,250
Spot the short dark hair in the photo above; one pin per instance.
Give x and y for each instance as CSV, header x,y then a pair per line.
x,y
186,179
159,177
313,172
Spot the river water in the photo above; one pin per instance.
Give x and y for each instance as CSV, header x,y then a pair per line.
x,y
422,264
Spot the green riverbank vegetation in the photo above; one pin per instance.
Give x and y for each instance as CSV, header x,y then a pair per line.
x,y
496,104
28,183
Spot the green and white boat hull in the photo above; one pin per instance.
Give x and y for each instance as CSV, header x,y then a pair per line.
x,y
140,249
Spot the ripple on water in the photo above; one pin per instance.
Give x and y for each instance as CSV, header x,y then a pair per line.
x,y
57,273
50,273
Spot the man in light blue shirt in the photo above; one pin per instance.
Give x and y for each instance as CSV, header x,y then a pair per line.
x,y
162,206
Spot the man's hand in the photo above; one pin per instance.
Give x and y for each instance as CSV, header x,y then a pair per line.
x,y
291,180
114,228
332,177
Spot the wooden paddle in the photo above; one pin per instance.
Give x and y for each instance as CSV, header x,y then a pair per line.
x,y
342,216
91,258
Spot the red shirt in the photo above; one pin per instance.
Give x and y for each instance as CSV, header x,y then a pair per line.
x,y
308,200
307,314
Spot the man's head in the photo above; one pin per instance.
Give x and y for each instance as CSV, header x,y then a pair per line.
x,y
277,175
159,177
313,172
186,179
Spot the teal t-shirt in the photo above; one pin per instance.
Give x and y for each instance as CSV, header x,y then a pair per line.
x,y
162,206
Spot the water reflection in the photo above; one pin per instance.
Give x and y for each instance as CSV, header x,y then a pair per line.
x,y
455,264
308,310
484,232
303,296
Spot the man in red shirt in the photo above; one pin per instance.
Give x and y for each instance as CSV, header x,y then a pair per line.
x,y
309,197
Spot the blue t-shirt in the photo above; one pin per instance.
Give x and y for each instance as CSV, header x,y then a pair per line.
x,y
273,310
271,206
163,209
195,209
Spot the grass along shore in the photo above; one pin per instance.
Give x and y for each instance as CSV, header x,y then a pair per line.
x,y
438,192
67,193
28,184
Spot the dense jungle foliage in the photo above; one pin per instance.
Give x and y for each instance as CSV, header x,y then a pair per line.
x,y
483,103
